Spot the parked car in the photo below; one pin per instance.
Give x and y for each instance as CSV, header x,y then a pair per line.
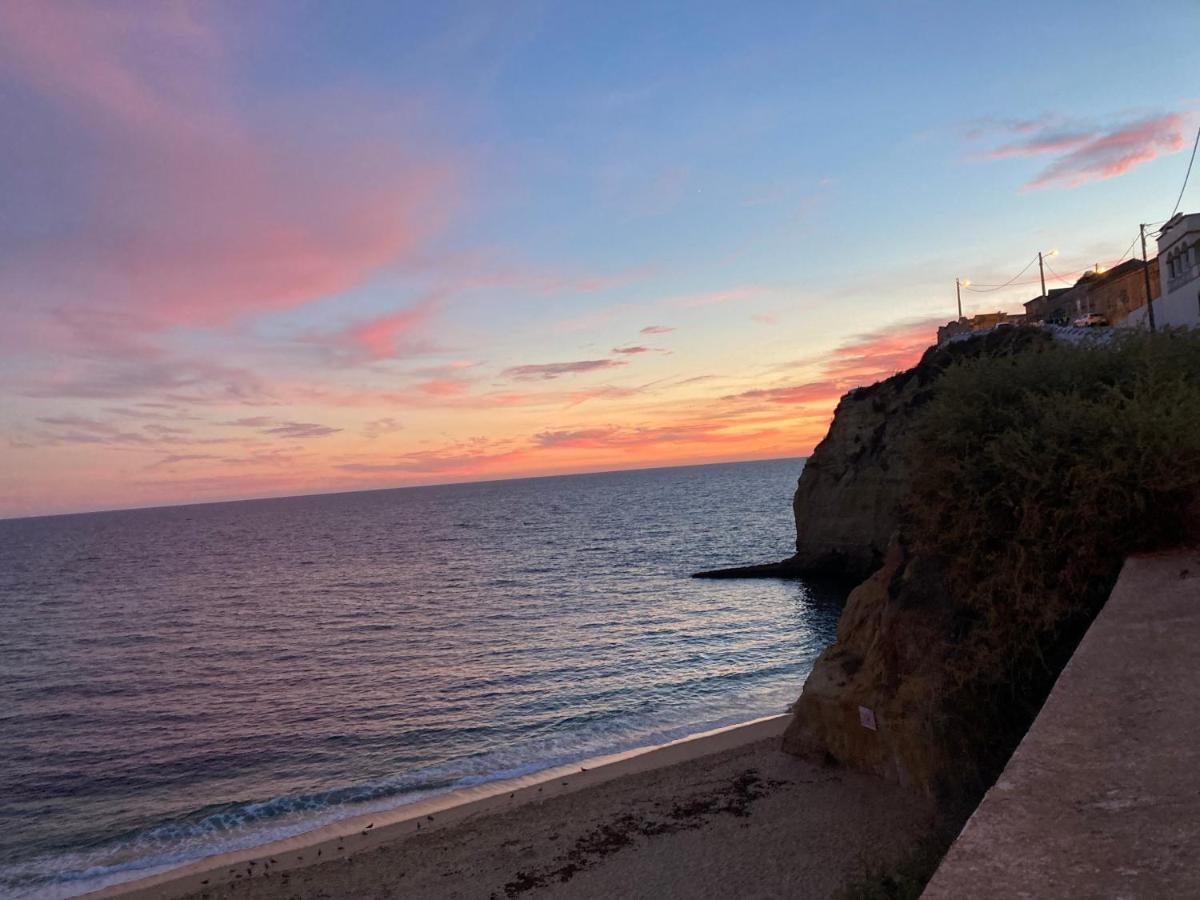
x,y
1090,320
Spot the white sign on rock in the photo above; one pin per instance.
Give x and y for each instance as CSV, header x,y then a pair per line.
x,y
866,717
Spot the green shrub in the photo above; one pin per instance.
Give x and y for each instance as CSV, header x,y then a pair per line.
x,y
1033,477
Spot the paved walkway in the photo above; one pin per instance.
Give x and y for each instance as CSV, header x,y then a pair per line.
x,y
1102,797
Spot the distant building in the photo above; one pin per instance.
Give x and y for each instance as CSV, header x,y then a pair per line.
x,y
1046,308
1179,274
1122,290
1114,294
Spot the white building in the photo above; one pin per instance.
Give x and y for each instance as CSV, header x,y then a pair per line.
x,y
1179,271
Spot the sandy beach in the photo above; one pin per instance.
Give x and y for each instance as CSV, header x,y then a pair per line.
x,y
710,816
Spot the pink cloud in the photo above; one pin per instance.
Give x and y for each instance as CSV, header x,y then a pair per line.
x,y
193,211
860,360
381,337
657,329
813,392
445,387
1083,155
881,353
633,351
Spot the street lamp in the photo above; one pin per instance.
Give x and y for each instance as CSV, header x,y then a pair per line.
x,y
1042,269
959,284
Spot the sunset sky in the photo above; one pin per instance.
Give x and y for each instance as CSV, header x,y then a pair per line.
x,y
257,249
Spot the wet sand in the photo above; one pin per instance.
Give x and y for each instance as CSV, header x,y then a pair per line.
x,y
719,815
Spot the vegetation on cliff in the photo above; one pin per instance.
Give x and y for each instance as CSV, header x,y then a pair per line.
x,y
1031,469
848,501
1033,476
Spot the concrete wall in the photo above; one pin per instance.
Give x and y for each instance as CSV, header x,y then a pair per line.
x,y
1102,797
1180,309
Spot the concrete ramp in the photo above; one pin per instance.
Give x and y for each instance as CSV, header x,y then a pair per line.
x,y
1102,797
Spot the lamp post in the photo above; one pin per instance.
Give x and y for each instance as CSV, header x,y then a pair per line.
x,y
1042,268
959,284
1146,276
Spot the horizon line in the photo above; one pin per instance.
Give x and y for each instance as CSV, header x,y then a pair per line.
x,y
403,487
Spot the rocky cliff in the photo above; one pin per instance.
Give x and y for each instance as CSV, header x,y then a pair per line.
x,y
848,500
872,699
875,697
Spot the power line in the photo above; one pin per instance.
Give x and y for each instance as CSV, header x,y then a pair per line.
x,y
1195,144
987,289
1064,280
1128,251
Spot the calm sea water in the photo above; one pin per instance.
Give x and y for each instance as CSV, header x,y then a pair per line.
x,y
183,681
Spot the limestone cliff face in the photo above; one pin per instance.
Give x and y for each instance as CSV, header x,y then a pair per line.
x,y
872,699
847,501
887,667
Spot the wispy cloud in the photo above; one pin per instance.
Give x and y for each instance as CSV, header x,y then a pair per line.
x,y
378,427
1082,153
657,329
301,430
548,371
381,337
269,426
816,391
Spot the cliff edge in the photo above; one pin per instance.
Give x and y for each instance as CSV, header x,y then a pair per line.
x,y
848,500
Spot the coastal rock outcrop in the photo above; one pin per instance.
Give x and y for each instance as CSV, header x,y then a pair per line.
x,y
871,699
849,497
875,698
848,500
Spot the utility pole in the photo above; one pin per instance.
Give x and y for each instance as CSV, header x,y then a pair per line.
x,y
1146,276
1042,272
958,293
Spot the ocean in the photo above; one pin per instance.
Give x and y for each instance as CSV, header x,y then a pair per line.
x,y
184,681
